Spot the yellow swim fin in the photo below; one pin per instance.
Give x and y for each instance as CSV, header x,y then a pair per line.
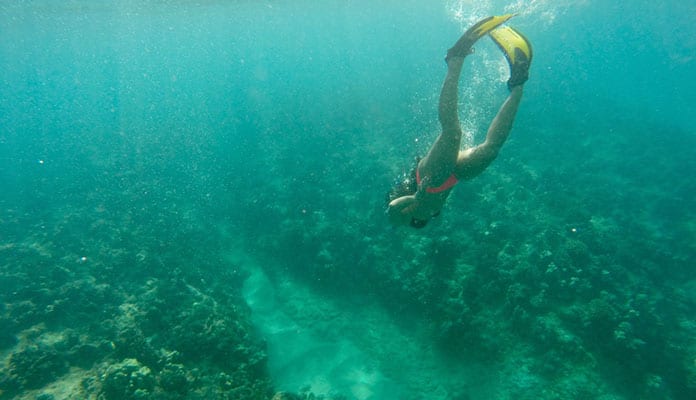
x,y
518,52
463,46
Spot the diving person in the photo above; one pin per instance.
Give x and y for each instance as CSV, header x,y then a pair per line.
x,y
422,195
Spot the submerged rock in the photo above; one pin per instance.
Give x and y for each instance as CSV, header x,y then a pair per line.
x,y
173,378
126,380
285,396
304,394
34,367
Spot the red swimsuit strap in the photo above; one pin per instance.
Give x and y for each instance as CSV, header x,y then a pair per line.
x,y
451,181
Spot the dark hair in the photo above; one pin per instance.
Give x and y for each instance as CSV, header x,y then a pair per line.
x,y
418,223
404,185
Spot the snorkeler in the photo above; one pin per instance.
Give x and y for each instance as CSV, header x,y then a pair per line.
x,y
422,195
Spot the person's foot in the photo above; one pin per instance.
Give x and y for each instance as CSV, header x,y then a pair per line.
x,y
463,46
518,52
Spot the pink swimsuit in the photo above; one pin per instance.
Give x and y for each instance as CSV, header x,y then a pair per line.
x,y
451,181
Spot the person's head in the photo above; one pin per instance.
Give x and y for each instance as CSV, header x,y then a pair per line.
x,y
406,185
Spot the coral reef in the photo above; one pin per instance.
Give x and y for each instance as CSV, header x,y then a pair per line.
x,y
162,338
557,276
128,380
35,366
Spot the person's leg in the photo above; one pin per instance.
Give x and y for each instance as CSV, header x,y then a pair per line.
x,y
442,155
441,159
471,162
518,52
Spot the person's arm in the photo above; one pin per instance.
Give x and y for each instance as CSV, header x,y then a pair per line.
x,y
399,208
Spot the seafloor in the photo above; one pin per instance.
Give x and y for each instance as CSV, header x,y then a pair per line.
x,y
542,290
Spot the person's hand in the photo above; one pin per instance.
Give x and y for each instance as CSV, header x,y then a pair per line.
x,y
399,210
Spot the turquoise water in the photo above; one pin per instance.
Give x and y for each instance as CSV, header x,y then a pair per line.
x,y
192,203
